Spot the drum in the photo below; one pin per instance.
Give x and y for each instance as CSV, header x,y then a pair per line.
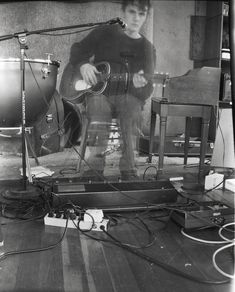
x,y
40,83
60,127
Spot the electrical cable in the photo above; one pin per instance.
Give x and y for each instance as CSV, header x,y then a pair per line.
x,y
167,267
22,210
207,191
88,235
146,228
231,244
143,215
105,240
151,166
113,187
202,240
224,227
32,250
150,259
215,264
221,132
92,225
23,221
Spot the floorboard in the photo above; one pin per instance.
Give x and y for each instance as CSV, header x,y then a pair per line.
x,y
82,264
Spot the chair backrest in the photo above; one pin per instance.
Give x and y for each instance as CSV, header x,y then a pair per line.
x,y
197,86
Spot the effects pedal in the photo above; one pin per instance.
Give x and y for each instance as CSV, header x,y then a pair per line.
x,y
204,214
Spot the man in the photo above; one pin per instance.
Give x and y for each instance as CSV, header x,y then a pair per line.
x,y
130,55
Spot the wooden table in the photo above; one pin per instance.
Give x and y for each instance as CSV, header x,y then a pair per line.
x,y
163,108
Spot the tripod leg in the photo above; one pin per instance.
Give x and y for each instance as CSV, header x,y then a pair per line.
x,y
28,163
31,148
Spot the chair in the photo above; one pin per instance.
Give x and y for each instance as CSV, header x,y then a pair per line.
x,y
113,125
191,95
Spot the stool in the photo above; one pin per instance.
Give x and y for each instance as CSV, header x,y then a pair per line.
x,y
164,109
84,136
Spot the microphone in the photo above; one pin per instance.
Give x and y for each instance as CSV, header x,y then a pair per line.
x,y
119,21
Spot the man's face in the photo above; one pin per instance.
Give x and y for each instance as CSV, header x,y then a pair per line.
x,y
134,17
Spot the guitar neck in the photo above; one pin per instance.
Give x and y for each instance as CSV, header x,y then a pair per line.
x,y
155,78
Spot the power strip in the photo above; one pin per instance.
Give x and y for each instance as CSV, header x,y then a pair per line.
x,y
83,225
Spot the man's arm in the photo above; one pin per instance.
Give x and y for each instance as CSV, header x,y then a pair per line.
x,y
80,55
82,51
142,87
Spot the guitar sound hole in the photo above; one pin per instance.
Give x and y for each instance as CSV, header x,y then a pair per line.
x,y
98,86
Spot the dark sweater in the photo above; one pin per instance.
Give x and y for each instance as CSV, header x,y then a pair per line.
x,y
109,44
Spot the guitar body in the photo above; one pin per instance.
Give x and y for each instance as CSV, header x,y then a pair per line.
x,y
73,88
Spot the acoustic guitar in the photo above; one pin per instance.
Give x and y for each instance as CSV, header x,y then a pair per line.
x,y
73,88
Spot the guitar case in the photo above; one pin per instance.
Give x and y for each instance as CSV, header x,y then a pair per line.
x,y
48,131
59,128
72,123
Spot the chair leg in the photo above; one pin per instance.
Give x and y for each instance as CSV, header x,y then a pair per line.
x,y
82,148
151,138
31,148
187,137
163,122
204,138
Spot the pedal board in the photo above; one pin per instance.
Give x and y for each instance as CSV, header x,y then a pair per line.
x,y
115,196
204,214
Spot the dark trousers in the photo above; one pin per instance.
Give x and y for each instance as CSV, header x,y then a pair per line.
x,y
100,111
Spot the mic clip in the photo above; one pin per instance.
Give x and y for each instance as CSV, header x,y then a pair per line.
x,y
117,21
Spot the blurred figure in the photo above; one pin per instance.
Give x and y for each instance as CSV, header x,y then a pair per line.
x,y
132,60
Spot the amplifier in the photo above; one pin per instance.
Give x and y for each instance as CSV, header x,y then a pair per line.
x,y
174,146
204,214
115,196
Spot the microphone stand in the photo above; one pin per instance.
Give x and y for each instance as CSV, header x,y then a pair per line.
x,y
232,57
22,39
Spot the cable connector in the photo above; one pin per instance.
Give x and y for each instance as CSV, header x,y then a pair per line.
x,y
94,226
94,220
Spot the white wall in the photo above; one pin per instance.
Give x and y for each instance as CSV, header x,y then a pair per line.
x,y
171,37
168,27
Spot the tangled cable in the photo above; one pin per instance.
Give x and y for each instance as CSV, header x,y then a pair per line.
x,y
229,245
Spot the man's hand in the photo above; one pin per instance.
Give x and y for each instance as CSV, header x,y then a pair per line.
x,y
88,72
139,79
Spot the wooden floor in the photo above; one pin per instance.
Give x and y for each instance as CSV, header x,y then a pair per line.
x,y
80,263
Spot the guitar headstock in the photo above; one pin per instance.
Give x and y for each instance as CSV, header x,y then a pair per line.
x,y
161,77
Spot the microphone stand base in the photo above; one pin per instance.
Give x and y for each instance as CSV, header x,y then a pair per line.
x,y
31,192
